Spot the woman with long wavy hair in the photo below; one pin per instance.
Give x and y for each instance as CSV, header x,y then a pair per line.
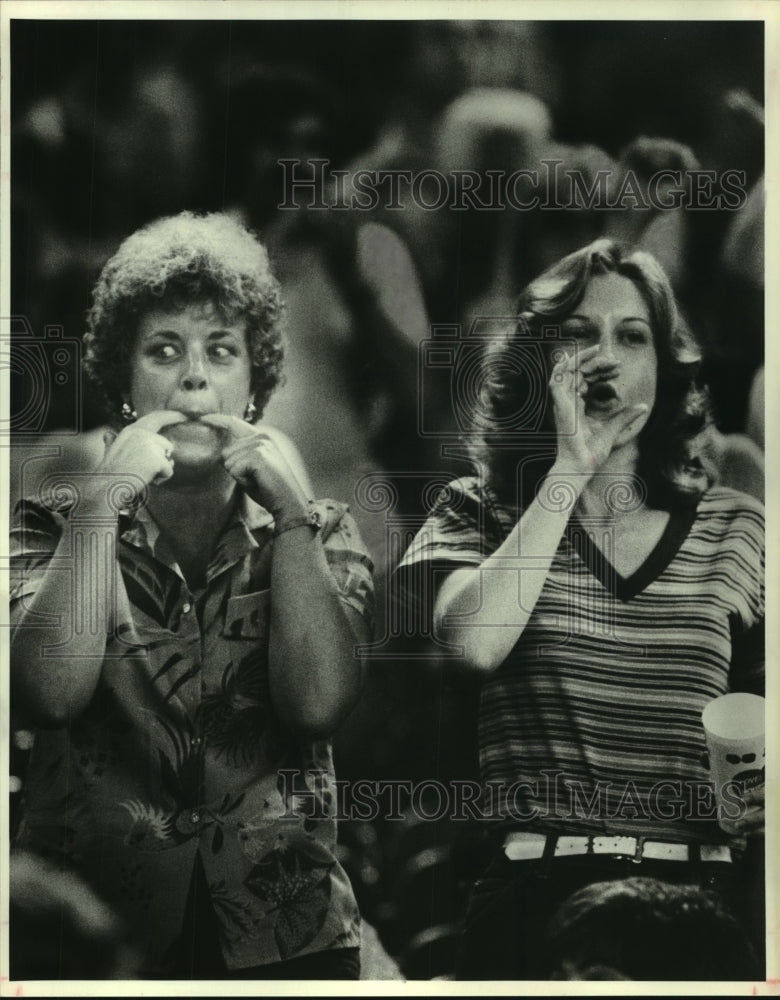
x,y
603,591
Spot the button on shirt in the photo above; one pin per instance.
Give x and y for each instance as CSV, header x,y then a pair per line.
x,y
181,753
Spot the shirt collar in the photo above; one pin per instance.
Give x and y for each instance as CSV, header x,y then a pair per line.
x,y
139,529
240,535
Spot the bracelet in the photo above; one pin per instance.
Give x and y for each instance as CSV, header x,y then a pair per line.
x,y
313,520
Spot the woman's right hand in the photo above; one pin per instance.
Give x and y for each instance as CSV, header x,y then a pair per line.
x,y
584,442
139,452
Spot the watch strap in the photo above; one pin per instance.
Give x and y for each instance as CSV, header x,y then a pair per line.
x,y
312,519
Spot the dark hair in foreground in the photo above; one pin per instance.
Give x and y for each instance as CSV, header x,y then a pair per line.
x,y
669,443
645,929
173,263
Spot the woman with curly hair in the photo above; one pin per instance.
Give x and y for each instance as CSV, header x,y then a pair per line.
x,y
186,673
603,591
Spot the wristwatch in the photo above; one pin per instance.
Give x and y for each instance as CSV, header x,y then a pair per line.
x,y
312,519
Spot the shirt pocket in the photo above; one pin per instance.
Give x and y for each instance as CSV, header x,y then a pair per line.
x,y
246,616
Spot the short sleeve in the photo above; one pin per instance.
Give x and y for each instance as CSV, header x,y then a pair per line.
x,y
348,558
464,527
35,535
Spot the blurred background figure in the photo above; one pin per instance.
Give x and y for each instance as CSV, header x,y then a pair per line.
x,y
554,233
738,346
487,129
59,928
642,928
662,232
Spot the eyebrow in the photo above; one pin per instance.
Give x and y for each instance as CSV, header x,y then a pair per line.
x,y
623,319
214,335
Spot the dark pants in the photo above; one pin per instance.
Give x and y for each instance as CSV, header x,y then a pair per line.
x,y
511,905
199,955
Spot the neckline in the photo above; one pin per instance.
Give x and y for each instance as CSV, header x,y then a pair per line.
x,y
660,556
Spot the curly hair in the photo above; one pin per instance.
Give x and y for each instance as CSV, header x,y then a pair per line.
x,y
672,445
170,264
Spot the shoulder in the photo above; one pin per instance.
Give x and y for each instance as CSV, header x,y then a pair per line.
x,y
46,513
728,506
730,522
456,507
465,495
464,524
32,541
471,504
455,493
38,463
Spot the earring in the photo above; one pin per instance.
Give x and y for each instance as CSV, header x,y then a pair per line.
x,y
128,413
250,414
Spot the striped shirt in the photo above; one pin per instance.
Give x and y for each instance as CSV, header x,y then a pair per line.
x,y
593,722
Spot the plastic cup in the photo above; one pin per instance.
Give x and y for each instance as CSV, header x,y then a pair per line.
x,y
735,735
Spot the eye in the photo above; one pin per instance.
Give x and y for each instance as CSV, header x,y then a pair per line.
x,y
635,335
162,352
222,352
578,333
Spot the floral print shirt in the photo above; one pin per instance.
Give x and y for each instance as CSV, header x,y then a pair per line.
x,y
180,751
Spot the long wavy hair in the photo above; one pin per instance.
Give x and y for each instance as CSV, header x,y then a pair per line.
x,y
172,263
673,463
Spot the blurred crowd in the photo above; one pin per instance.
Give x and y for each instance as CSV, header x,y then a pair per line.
x,y
116,123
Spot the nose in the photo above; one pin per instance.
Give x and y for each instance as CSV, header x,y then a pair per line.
x,y
194,381
194,377
607,356
607,351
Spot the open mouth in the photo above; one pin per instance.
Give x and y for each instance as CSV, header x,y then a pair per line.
x,y
601,395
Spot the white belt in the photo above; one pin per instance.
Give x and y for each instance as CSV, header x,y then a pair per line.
x,y
523,845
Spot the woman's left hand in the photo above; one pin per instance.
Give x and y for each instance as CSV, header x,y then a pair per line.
x,y
253,459
752,822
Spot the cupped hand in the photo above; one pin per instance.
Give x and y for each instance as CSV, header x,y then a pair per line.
x,y
585,442
254,460
139,450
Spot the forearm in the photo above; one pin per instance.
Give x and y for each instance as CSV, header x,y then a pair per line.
x,y
314,673
486,609
59,633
